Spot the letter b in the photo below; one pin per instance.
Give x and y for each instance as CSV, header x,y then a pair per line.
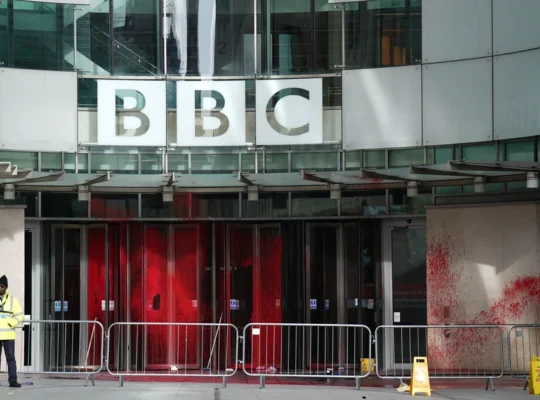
x,y
201,114
123,114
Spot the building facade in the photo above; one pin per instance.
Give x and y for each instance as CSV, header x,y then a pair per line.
x,y
269,161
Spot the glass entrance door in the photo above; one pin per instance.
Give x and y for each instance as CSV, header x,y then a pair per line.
x,y
65,349
324,278
405,284
32,358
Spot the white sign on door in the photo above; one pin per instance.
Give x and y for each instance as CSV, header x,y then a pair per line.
x,y
131,113
211,113
289,111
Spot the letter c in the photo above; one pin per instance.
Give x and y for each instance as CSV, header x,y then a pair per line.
x,y
271,116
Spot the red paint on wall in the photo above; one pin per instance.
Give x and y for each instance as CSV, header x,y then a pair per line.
x,y
442,279
459,348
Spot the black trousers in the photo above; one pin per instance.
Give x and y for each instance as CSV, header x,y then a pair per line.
x,y
9,349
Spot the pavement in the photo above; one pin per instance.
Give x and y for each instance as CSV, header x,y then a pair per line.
x,y
58,389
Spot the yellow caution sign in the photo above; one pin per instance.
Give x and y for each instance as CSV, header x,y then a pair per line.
x,y
367,364
534,377
420,377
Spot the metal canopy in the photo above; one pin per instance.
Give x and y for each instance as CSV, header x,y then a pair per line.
x,y
453,173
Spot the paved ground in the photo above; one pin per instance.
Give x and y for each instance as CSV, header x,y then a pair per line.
x,y
74,389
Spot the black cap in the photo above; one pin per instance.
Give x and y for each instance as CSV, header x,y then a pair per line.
x,y
3,281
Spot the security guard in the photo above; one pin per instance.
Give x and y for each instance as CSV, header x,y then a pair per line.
x,y
11,315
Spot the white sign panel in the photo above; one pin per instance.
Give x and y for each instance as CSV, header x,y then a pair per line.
x,y
211,113
131,113
289,111
38,110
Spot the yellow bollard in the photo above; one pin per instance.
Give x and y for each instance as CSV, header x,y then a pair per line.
x,y
420,377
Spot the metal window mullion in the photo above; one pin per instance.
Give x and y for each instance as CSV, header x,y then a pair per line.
x,y
139,163
139,205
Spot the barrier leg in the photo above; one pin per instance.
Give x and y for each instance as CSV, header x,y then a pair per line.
x,y
121,381
526,384
357,383
488,382
224,382
261,386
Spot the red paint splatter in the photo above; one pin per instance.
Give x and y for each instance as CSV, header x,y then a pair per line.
x,y
459,350
442,279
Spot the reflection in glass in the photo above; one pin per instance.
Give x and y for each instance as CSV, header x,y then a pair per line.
x,y
209,37
313,204
42,36
4,38
137,38
93,38
409,290
379,34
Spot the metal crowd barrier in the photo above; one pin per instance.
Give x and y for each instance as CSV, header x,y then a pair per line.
x,y
453,352
59,348
523,344
307,351
172,349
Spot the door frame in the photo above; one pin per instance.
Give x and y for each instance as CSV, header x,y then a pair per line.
x,y
35,357
340,285
339,268
388,298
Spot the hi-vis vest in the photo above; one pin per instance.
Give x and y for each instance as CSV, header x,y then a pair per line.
x,y
11,315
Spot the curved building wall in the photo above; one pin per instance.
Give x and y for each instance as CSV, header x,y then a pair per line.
x,y
477,82
454,73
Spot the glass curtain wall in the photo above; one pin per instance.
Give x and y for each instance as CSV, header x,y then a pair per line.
x,y
383,33
209,37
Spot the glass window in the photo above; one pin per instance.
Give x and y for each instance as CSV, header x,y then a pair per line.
x,y
406,157
42,35
63,205
178,162
481,152
269,205
30,200
328,36
87,92
374,159
51,162
82,161
248,162
20,159
93,39
151,164
362,203
277,162
315,161
137,37
215,206
153,206
4,35
353,160
288,37
214,163
118,163
114,206
189,28
443,155
383,33
313,204
400,203
520,151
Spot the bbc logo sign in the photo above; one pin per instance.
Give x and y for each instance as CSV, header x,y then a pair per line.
x,y
210,113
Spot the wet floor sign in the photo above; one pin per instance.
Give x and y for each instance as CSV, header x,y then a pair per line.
x,y
534,377
420,377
